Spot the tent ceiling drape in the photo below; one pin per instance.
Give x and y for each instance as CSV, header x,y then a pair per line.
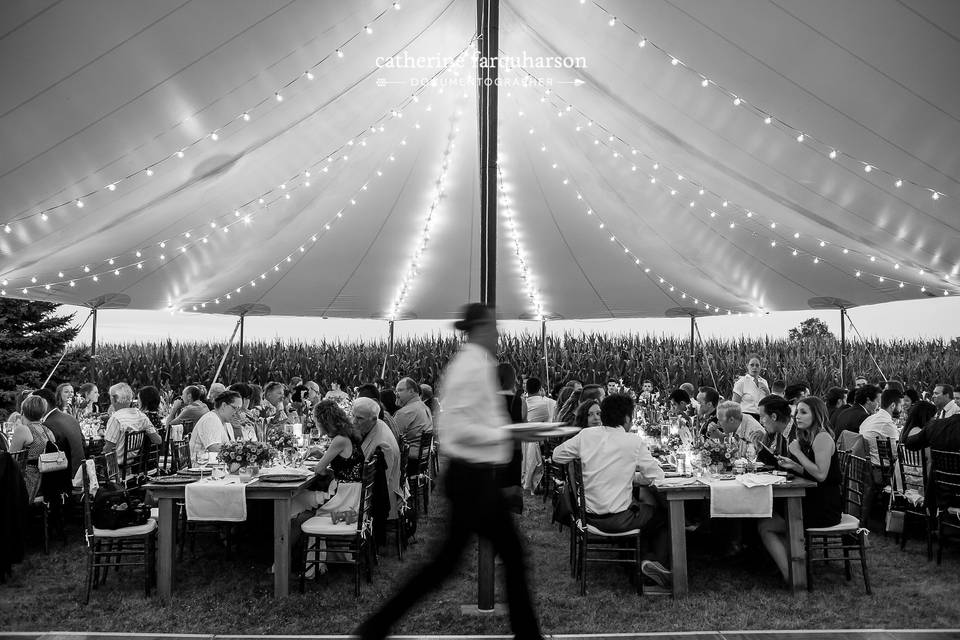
x,y
97,95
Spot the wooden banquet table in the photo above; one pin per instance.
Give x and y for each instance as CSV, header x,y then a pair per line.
x,y
792,490
281,494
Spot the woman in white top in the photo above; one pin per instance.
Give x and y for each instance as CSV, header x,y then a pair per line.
x,y
751,388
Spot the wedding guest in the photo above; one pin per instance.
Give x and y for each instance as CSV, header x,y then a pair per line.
x,y
921,412
611,457
189,407
778,388
540,407
942,434
732,421
812,455
123,419
343,458
64,395
30,434
691,392
709,398
336,392
588,414
87,401
879,425
377,435
943,399
775,418
680,402
149,398
750,388
613,386
426,394
569,406
590,392
245,420
272,408
369,390
866,399
388,398
794,392
413,419
835,398
647,394
212,430
910,398
66,431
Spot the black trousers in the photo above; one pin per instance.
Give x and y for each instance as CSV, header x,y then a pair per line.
x,y
477,507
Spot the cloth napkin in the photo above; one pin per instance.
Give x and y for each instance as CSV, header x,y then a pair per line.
x,y
282,470
675,482
91,474
223,500
748,496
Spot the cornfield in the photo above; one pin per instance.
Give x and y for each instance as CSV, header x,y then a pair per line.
x,y
588,358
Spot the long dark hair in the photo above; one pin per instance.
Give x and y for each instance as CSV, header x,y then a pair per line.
x,y
580,417
920,414
820,422
332,419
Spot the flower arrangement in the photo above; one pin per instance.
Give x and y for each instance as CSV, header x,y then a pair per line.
x,y
716,452
246,453
280,439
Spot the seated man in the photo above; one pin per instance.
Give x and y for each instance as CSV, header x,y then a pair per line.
x,y
776,433
611,456
732,421
213,429
126,418
377,435
709,398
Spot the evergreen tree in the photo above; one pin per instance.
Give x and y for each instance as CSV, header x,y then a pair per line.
x,y
32,339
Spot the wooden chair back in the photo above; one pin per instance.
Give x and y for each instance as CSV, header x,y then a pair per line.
x,y
913,470
885,454
945,477
854,485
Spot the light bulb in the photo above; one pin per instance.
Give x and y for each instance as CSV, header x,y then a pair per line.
x,y
800,137
246,117
674,61
214,136
180,153
936,196
704,83
339,53
613,21
898,183
79,204
867,168
278,96
642,43
737,102
111,187
149,172
768,120
309,75
833,154
368,30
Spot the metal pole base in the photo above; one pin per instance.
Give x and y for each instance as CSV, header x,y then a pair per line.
x,y
499,609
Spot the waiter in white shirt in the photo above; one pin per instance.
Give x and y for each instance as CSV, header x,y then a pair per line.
x,y
213,429
473,435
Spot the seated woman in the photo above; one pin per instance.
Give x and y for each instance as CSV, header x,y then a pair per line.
x,y
87,400
812,455
65,395
32,435
343,458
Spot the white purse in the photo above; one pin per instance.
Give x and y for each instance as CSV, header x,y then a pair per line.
x,y
55,461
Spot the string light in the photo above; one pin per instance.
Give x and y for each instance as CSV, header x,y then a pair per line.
x,y
215,135
738,100
681,176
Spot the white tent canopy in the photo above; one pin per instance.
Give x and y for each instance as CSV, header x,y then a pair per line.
x,y
643,180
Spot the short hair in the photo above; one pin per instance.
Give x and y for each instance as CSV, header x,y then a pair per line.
x,y
947,388
680,395
366,405
334,420
912,394
122,392
34,407
890,396
193,392
411,385
835,396
615,409
86,388
216,389
776,405
730,409
312,385
589,391
894,384
860,377
270,386
852,395
778,385
226,397
149,398
296,381
47,395
613,380
368,390
866,393
645,381
426,392
711,395
533,386
689,388
242,388
795,391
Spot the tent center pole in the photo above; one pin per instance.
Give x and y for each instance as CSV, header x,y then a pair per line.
x,y
693,348
843,342
243,362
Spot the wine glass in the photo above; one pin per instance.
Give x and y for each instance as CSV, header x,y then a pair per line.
x,y
751,456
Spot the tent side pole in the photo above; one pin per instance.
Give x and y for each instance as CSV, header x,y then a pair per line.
x,y
243,362
223,359
93,339
383,371
546,363
843,342
693,348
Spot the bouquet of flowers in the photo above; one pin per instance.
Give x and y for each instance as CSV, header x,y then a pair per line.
x,y
245,453
280,439
716,452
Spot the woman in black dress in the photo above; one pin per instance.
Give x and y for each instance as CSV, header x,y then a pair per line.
x,y
812,455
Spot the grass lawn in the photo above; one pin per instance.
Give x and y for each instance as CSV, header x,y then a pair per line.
x,y
222,593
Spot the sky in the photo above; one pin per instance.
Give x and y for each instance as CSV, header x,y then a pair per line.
x,y
933,318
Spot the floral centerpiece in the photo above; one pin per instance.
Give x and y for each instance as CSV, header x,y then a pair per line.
x,y
715,452
280,439
242,454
